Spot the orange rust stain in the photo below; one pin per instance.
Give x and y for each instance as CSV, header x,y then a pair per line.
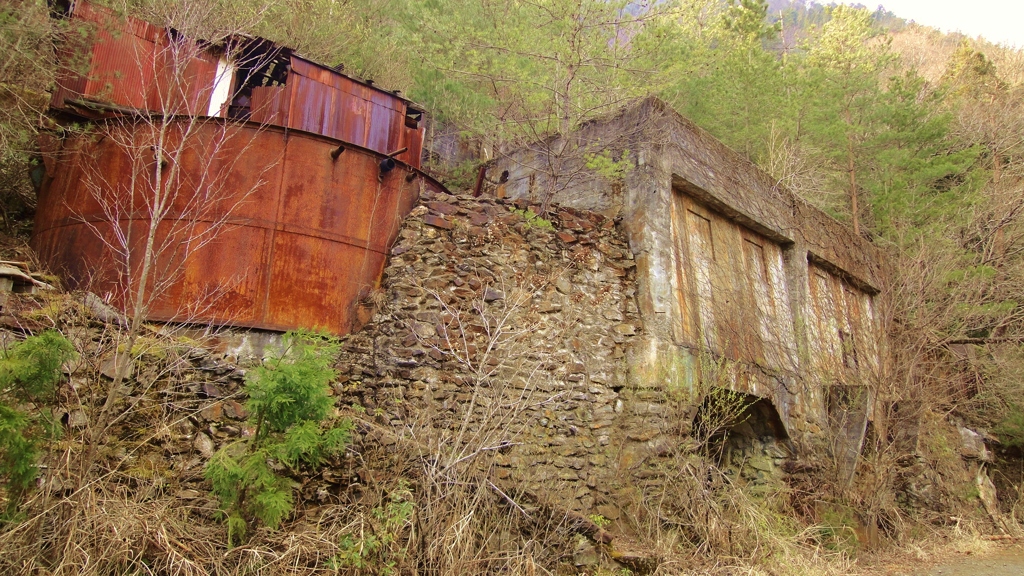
x,y
299,236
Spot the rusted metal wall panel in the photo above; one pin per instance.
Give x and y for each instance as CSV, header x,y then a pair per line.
x,y
339,81
185,77
131,63
70,82
270,105
355,123
122,69
319,107
302,238
413,140
382,120
310,105
122,59
326,102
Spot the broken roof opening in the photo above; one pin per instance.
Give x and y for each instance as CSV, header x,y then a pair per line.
x,y
413,118
258,63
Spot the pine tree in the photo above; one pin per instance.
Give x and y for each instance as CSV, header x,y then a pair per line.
x,y
522,70
915,171
843,70
29,373
290,408
723,78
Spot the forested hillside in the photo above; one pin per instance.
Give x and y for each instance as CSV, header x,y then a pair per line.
x,y
913,137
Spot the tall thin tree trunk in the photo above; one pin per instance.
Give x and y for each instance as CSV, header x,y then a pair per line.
x,y
854,205
851,168
997,166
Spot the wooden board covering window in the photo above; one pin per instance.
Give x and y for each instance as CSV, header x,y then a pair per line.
x,y
730,288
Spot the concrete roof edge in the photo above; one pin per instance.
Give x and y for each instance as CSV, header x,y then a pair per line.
x,y
857,259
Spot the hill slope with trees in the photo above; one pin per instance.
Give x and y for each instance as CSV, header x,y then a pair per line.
x,y
913,137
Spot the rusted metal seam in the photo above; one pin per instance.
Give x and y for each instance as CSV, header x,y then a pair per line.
x,y
272,235
327,140
289,228
352,78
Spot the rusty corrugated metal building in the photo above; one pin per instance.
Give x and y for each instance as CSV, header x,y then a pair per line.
x,y
269,187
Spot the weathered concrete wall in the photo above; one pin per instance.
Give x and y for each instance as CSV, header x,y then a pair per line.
x,y
519,345
514,343
731,268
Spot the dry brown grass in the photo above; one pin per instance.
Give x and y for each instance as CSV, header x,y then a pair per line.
x,y
129,515
465,521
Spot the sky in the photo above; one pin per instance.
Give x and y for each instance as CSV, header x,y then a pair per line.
x,y
996,20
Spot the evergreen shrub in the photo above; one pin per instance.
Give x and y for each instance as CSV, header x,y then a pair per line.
x,y
290,412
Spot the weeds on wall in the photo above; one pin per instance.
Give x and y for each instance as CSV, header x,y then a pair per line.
x,y
290,411
29,373
533,220
604,165
720,407
377,543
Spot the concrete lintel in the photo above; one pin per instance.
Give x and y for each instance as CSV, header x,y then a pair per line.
x,y
731,212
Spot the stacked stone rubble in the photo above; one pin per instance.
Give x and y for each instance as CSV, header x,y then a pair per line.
x,y
560,288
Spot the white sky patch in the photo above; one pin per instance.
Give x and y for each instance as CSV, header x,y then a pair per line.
x,y
1000,21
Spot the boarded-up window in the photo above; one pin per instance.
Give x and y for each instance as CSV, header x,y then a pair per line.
x,y
702,261
731,292
841,329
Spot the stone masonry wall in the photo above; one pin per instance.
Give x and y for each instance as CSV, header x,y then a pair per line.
x,y
508,340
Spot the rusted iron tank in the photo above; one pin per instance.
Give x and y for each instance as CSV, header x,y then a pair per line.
x,y
226,183
296,237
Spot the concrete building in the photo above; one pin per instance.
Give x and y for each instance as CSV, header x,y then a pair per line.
x,y
739,282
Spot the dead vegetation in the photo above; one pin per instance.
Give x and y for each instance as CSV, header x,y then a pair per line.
x,y
409,497
406,500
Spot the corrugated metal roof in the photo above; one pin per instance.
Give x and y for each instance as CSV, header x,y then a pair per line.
x,y
135,64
